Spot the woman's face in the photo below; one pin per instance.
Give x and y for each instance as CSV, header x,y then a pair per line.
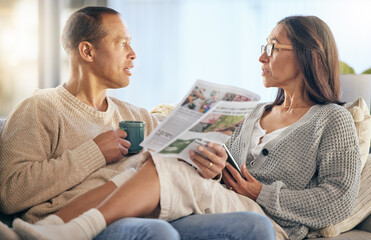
x,y
281,69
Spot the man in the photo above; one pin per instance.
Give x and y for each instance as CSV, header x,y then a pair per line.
x,y
62,142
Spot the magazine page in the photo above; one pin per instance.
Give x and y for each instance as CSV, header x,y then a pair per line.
x,y
198,101
216,126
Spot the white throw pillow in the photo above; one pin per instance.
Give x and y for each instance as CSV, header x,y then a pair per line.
x,y
162,111
362,121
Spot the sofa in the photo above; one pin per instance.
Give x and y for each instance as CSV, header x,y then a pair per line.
x,y
356,227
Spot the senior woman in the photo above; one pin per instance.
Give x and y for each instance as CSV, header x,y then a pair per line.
x,y
299,154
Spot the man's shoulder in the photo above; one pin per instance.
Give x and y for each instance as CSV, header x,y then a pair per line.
x,y
42,94
40,100
127,106
130,111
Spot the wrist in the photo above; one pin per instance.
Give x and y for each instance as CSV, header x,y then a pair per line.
x,y
258,190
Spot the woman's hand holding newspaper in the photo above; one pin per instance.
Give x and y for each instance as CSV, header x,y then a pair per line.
x,y
210,159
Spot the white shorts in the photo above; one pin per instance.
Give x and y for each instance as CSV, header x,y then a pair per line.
x,y
183,191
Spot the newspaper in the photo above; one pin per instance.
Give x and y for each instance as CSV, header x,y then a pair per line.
x,y
208,113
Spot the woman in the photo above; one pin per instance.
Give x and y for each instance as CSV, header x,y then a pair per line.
x,y
299,155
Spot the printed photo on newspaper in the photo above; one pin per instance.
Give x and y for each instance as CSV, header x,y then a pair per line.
x,y
208,113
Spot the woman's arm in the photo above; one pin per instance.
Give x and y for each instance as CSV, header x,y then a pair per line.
x,y
330,194
332,200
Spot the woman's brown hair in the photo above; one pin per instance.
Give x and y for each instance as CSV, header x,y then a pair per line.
x,y
316,52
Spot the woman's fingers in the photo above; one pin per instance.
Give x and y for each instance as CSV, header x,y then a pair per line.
x,y
214,153
200,161
210,160
206,168
246,173
235,174
227,179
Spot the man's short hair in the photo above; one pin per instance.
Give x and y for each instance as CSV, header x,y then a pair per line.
x,y
85,25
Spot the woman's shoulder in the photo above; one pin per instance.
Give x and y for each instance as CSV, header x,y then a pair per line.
x,y
332,107
333,110
333,114
261,105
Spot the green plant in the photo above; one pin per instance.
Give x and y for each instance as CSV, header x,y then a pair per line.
x,y
346,69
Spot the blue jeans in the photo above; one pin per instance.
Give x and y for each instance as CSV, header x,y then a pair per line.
x,y
138,229
232,226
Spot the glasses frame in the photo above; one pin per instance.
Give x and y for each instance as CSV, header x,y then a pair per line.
x,y
274,46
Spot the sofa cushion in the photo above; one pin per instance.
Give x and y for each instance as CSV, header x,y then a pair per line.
x,y
162,111
351,235
362,122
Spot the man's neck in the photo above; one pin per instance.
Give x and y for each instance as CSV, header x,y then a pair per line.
x,y
89,92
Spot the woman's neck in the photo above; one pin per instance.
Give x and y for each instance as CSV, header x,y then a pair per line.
x,y
296,100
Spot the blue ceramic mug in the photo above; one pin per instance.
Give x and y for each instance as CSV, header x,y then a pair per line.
x,y
135,134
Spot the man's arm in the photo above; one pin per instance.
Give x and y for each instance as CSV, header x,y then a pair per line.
x,y
31,170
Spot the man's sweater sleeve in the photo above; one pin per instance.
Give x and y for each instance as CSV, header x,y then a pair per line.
x,y
333,197
29,174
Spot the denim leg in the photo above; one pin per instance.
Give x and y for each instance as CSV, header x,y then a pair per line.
x,y
232,226
138,229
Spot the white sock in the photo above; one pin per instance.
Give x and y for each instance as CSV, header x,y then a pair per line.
x,y
121,178
84,227
8,233
52,219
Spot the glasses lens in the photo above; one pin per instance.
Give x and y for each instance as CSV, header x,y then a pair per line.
x,y
269,49
262,49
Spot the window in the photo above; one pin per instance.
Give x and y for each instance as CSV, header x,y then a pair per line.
x,y
18,52
179,41
176,42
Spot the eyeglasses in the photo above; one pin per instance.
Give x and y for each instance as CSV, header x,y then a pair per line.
x,y
268,49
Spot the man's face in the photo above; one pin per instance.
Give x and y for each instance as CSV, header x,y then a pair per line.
x,y
114,56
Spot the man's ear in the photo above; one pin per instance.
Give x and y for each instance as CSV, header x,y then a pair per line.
x,y
86,51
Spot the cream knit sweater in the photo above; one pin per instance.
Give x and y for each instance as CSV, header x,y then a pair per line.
x,y
47,152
